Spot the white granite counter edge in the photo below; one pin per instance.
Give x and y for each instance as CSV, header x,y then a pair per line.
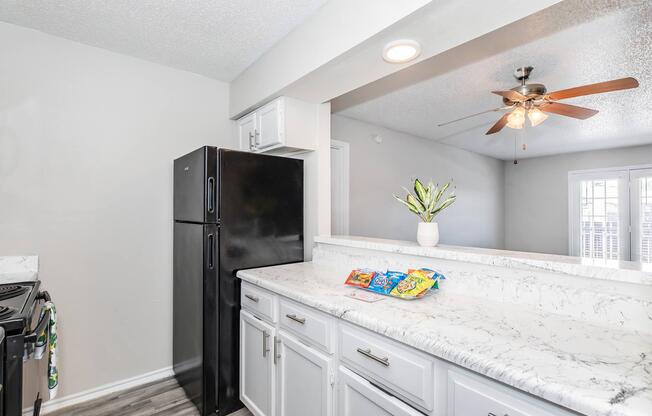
x,y
621,271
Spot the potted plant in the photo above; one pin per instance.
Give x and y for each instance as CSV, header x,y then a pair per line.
x,y
427,202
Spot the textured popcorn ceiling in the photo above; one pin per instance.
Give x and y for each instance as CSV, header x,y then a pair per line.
x,y
216,38
572,43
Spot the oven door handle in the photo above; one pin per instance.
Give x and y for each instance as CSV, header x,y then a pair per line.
x,y
42,324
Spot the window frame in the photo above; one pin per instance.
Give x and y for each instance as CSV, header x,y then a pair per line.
x,y
635,196
627,206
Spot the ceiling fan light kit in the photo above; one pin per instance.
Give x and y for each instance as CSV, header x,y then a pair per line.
x,y
536,116
535,100
516,118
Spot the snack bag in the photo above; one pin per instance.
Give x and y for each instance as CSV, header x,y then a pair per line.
x,y
384,282
360,278
415,285
430,274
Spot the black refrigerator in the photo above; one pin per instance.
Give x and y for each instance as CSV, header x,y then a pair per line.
x,y
232,210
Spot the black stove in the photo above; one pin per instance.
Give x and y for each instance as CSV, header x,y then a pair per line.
x,y
18,302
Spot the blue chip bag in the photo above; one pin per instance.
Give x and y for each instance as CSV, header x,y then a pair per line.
x,y
384,282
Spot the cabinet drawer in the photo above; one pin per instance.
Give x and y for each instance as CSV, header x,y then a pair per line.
x,y
258,301
308,324
358,397
399,369
473,395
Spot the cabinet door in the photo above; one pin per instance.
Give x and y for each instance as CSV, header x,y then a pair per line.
x,y
304,379
256,365
358,397
471,395
270,122
247,132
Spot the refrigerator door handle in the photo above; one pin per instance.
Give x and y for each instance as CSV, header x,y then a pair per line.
x,y
211,194
211,250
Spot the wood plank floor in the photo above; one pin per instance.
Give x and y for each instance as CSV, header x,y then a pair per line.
x,y
161,398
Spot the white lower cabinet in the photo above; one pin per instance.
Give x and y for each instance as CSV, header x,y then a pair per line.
x,y
307,363
257,365
304,379
358,397
469,394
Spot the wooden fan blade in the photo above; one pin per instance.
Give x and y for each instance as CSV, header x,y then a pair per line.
x,y
600,87
472,115
568,110
511,95
502,122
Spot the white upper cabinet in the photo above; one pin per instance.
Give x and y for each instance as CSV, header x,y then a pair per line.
x,y
270,125
282,125
247,130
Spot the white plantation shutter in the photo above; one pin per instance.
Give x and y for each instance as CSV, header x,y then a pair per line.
x,y
599,220
599,215
641,200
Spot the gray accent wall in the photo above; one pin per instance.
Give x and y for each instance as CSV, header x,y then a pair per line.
x,y
379,170
522,207
536,195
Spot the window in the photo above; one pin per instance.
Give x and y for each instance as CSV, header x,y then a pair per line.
x,y
601,224
641,200
599,219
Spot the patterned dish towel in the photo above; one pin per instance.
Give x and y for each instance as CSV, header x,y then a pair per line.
x,y
48,339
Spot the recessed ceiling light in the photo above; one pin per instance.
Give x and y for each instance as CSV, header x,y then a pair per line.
x,y
401,51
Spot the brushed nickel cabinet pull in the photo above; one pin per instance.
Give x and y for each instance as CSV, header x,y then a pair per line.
x,y
256,137
367,353
251,141
295,319
265,347
277,355
251,298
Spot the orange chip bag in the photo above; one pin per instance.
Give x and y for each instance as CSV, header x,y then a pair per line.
x,y
360,278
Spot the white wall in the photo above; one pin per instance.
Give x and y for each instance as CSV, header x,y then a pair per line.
x,y
379,170
536,195
87,139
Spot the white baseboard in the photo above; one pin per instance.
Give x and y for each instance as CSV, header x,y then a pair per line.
x,y
91,394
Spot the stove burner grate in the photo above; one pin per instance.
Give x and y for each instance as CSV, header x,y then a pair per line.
x,y
6,312
11,291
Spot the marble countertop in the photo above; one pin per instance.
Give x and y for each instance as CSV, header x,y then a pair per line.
x,y
18,269
623,271
594,370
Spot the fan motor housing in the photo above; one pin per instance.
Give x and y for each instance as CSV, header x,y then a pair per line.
x,y
529,90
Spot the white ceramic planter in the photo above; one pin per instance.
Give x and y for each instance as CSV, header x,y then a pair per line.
x,y
428,234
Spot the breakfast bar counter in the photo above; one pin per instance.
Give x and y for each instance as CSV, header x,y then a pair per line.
x,y
592,369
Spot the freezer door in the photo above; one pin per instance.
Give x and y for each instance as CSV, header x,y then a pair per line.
x,y
261,209
261,224
195,186
195,312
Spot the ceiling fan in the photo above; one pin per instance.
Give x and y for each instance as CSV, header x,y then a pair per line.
x,y
535,101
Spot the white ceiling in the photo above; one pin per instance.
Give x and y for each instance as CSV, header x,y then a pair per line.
x,y
573,43
215,38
